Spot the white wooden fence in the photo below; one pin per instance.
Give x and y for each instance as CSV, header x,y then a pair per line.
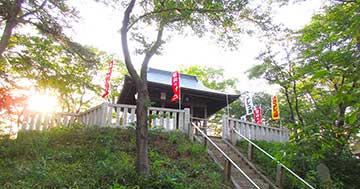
x,y
253,131
107,115
121,115
42,121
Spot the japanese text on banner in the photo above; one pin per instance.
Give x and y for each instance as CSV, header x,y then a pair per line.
x,y
107,79
275,114
175,82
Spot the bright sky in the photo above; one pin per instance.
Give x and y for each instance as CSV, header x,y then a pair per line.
x,y
100,28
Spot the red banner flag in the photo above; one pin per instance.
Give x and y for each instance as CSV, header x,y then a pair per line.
x,y
257,115
175,82
107,79
275,114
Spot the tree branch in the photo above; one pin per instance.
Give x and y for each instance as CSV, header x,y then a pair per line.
x,y
151,52
125,46
346,1
317,106
179,10
35,10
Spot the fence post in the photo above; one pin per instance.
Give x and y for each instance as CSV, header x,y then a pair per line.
x,y
205,141
250,151
95,113
279,175
187,123
286,135
205,126
224,127
227,171
232,135
103,114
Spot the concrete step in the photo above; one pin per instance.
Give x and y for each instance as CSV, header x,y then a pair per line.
x,y
238,178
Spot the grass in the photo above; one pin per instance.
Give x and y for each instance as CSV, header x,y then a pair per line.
x,y
103,158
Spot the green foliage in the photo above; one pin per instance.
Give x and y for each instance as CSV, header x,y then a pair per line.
x,y
77,157
237,108
34,48
36,55
224,20
319,79
50,67
47,18
212,78
303,161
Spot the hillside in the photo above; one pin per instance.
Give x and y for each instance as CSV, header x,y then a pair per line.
x,y
103,158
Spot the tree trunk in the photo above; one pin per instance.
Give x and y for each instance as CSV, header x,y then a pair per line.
x,y
142,160
297,105
143,100
5,38
288,100
340,120
11,22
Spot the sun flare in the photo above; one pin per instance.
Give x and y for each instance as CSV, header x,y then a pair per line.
x,y
42,103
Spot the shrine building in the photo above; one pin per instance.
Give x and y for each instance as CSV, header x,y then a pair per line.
x,y
202,101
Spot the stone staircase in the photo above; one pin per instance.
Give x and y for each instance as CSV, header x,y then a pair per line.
x,y
238,180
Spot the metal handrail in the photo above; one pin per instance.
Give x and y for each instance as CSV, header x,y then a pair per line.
x,y
271,157
226,157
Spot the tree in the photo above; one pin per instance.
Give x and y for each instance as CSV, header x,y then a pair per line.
x,y
212,78
279,67
82,86
262,99
21,52
49,17
320,79
329,53
225,19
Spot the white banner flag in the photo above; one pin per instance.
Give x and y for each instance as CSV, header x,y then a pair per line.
x,y
249,105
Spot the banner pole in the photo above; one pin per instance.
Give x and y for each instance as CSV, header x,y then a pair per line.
x,y
179,99
227,105
179,93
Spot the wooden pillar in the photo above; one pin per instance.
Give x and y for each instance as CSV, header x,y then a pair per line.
x,y
232,133
279,176
250,151
205,117
227,171
205,142
187,123
224,127
103,114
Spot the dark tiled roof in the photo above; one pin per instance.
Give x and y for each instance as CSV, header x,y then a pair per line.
x,y
186,81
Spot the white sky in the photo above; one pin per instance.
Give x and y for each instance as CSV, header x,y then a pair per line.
x,y
100,25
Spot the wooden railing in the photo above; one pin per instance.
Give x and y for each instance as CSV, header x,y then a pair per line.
x,y
107,115
254,131
42,121
121,115
112,115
